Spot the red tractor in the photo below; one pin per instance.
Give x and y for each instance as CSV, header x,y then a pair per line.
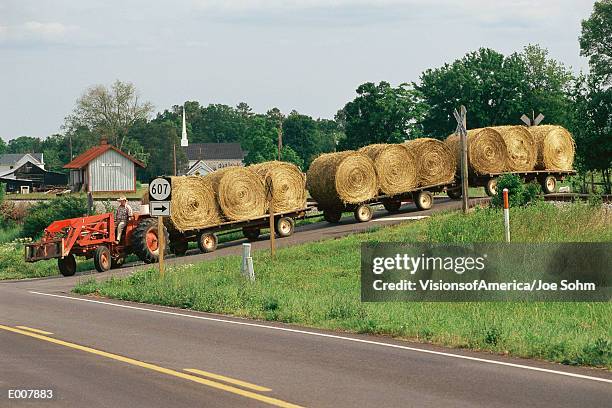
x,y
94,237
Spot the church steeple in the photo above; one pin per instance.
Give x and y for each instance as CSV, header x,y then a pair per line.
x,y
184,141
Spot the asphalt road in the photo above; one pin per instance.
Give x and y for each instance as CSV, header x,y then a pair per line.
x,y
98,353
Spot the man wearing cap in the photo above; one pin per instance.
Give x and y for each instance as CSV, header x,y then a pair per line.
x,y
122,215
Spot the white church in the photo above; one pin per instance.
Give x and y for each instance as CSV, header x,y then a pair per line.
x,y
204,158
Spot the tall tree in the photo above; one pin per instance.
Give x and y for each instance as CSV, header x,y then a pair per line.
x,y
382,114
592,125
300,132
2,146
596,41
109,111
496,89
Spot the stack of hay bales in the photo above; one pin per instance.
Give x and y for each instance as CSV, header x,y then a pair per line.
x,y
435,161
555,147
194,204
487,152
334,179
395,165
240,193
289,184
520,147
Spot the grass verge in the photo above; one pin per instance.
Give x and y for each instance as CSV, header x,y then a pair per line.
x,y
317,284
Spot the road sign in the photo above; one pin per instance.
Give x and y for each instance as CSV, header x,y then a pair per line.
x,y
160,189
269,189
159,208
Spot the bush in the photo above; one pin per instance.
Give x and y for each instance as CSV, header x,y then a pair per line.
x,y
42,214
519,193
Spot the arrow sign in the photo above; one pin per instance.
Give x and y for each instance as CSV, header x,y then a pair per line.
x,y
159,208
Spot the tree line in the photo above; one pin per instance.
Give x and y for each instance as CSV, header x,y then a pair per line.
x,y
496,89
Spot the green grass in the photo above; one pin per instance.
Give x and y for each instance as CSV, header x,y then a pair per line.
x,y
317,284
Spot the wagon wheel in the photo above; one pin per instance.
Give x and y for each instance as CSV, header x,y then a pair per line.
x,y
332,216
67,265
102,259
252,234
207,242
392,205
284,226
423,200
145,240
549,184
363,213
454,193
491,187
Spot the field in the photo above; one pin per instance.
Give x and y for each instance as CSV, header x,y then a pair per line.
x,y
317,285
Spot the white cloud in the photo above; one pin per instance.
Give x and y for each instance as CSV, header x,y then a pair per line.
x,y
47,29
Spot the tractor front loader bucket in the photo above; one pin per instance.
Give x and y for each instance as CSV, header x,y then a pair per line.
x,y
38,251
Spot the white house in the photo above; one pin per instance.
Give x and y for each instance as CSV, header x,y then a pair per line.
x,y
11,161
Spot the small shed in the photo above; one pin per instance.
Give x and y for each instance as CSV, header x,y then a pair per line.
x,y
103,168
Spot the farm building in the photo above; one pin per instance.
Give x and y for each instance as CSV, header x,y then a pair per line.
x,y
205,158
103,168
24,173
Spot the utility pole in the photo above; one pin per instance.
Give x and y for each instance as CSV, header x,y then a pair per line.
x,y
174,156
280,138
462,132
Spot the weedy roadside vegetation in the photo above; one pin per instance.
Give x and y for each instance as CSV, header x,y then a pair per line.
x,y
317,284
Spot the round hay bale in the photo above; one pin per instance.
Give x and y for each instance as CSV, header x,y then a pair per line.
x,y
395,167
193,203
289,184
487,151
340,178
520,147
556,147
240,193
435,161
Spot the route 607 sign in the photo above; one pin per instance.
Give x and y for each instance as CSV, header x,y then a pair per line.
x,y
160,193
160,189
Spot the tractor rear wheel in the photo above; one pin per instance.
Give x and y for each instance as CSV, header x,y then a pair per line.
x,y
67,265
102,259
145,240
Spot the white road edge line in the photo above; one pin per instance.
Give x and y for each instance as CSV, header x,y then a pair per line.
x,y
332,336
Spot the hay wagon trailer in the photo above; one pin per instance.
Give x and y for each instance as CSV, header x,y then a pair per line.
x,y
547,179
363,212
207,238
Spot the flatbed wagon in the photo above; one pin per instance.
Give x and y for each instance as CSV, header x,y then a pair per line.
x,y
363,212
546,178
207,240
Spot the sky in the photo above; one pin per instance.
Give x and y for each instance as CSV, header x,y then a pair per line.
x,y
307,55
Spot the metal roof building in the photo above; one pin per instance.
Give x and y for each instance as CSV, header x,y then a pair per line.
x,y
103,168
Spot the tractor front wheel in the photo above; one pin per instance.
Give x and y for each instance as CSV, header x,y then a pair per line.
x,y
67,265
102,259
145,240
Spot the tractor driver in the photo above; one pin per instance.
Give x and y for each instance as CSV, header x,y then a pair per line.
x,y
122,215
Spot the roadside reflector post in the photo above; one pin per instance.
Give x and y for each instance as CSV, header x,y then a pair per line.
x,y
247,263
506,215
160,244
269,196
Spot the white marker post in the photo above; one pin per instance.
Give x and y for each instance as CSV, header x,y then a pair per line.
x,y
506,215
247,263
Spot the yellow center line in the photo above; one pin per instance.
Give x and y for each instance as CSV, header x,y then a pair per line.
x,y
153,367
33,330
230,380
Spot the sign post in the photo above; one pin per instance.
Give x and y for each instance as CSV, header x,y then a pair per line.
x,y
160,193
462,132
506,215
269,196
